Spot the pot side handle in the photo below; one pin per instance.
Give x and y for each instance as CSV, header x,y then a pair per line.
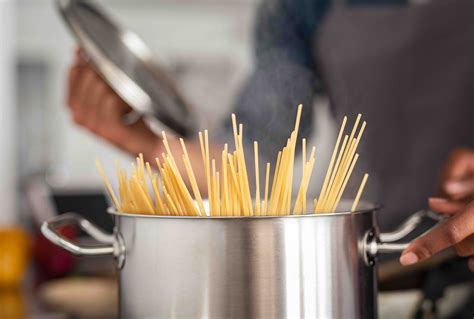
x,y
385,243
109,245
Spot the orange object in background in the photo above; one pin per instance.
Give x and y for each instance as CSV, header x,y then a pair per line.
x,y
14,256
12,305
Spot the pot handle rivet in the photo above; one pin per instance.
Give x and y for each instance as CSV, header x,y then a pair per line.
x,y
385,243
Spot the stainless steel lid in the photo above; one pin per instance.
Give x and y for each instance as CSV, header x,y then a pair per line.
x,y
126,63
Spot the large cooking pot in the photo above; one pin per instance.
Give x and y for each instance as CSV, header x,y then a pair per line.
x,y
308,266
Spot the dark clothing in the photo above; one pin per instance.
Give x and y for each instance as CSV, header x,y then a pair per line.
x,y
408,68
285,73
410,131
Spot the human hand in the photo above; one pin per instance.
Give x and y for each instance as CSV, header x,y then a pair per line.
x,y
457,189
97,108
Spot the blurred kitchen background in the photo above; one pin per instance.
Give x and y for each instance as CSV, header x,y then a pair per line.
x,y
47,163
204,44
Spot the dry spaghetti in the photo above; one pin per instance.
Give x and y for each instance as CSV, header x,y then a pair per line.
x,y
165,191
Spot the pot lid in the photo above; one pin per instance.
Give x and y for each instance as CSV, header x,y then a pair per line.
x,y
126,64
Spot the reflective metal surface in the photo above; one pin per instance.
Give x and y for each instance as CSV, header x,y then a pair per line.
x,y
310,266
49,230
293,267
409,225
385,241
126,63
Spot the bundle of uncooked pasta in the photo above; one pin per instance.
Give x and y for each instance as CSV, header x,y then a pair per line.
x,y
164,190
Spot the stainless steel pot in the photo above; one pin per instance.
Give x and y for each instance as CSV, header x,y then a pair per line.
x,y
309,266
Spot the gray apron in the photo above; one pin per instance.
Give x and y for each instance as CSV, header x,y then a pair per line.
x,y
410,71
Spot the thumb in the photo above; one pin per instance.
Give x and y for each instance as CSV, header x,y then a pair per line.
x,y
449,233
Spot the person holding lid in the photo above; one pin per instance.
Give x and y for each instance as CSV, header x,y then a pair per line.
x,y
408,67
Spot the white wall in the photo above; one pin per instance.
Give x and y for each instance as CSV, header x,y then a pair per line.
x,y
8,185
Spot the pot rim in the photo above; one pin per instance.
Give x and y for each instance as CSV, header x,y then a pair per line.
x,y
376,207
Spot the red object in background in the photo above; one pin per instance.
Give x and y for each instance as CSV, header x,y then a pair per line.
x,y
52,261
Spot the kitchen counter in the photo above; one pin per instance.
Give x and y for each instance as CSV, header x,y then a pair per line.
x,y
96,297
81,297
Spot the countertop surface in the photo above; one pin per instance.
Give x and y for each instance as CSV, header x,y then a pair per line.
x,y
97,298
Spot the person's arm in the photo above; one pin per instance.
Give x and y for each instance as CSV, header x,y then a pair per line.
x,y
284,73
94,106
457,189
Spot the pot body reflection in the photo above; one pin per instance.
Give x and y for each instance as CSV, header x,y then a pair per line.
x,y
268,267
